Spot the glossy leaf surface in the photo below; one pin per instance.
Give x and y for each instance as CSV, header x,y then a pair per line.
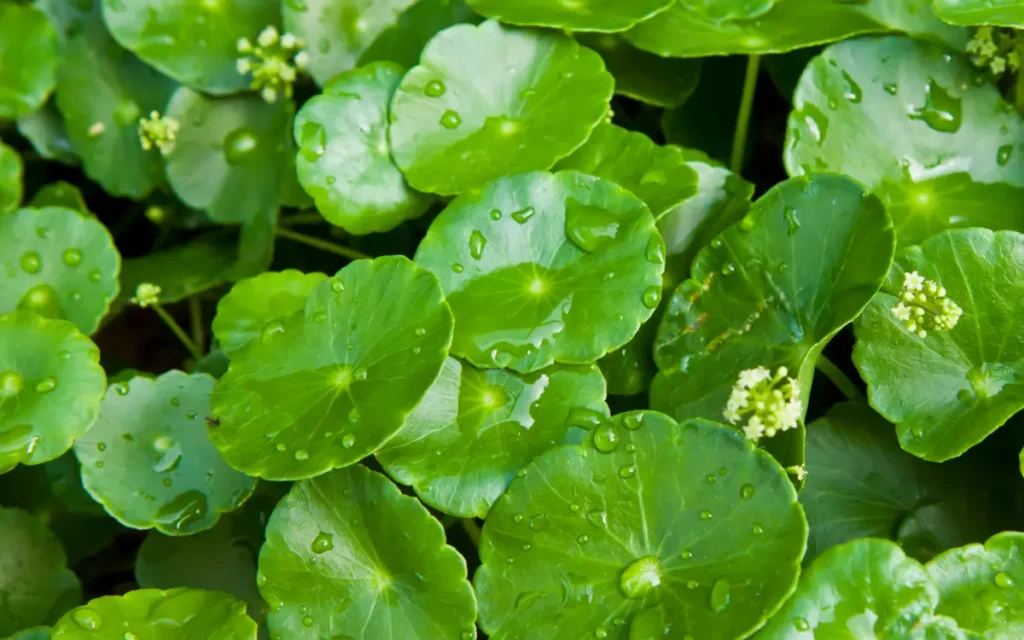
x,y
575,15
28,47
1007,13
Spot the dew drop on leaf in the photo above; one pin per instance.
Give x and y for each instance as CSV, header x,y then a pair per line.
x,y
757,529
652,296
88,619
720,595
539,522
801,624
705,515
46,385
584,418
348,441
239,145
477,242
640,577
435,89
747,491
522,215
30,262
270,331
11,384
627,471
301,455
606,439
323,543
589,228
1003,580
312,140
890,88
941,111
450,119
1004,154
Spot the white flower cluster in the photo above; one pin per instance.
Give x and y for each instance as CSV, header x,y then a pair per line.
x,y
147,294
996,49
274,62
924,307
158,131
772,402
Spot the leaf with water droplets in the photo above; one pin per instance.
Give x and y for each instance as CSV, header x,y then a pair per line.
x,y
193,41
920,127
329,384
536,292
58,263
1005,13
60,194
694,28
949,390
51,384
980,586
489,101
147,457
11,170
344,159
771,291
572,15
245,312
152,614
486,424
35,580
664,536
403,40
28,47
387,574
662,82
228,156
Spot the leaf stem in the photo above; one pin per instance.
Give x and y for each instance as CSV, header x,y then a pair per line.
x,y
739,138
178,331
195,313
472,529
838,378
323,245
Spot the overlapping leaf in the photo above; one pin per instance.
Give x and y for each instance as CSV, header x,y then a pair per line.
x,y
574,15
28,47
1007,13
11,170
662,82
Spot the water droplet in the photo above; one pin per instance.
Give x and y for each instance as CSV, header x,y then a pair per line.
x,y
853,92
728,269
705,515
30,262
348,441
575,508
941,111
323,543
167,482
477,242
94,275
584,418
891,88
527,547
627,471
651,297
747,491
87,619
686,554
518,518
308,621
121,388
589,228
606,439
917,432
450,119
711,479
598,518
522,215
633,421
1003,155
11,384
312,140
801,624
72,257
456,267
46,385
360,373
655,250
101,446
184,510
792,220
280,446
495,214
601,632
337,286
420,331
757,529
240,144
583,539
273,329
1003,580
539,522
435,89
301,455
320,317
640,577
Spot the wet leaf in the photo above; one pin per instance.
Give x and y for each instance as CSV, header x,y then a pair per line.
x,y
572,15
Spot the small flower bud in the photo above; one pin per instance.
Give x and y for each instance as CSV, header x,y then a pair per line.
x,y
274,64
923,306
772,402
158,131
268,37
147,294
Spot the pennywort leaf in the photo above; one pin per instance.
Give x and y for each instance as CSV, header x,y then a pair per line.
x,y
11,170
28,47
1007,13
578,15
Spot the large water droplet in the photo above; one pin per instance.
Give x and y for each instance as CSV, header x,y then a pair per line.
x,y
522,215
801,624
589,228
853,92
720,595
606,439
1004,154
747,491
87,619
941,111
435,89
450,119
539,522
477,242
272,330
11,384
72,257
640,577
651,297
323,543
30,262
1003,580
43,300
655,250
312,140
184,510
598,518
816,122
584,418
240,144
46,385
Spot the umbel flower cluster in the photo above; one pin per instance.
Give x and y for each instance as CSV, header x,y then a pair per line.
x,y
158,131
274,62
996,49
924,307
771,403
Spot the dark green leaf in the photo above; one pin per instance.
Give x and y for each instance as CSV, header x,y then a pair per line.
x,y
44,129
662,82
574,15
180,271
60,194
403,41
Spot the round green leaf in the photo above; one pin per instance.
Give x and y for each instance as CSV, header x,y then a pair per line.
x,y
148,459
329,385
36,584
193,41
771,291
647,518
28,47
344,160
862,589
51,385
860,484
662,82
920,127
60,194
102,91
337,33
251,304
151,614
229,155
476,428
59,264
347,553
1006,13
657,175
403,40
572,15
542,268
487,101
980,586
692,28
44,129
948,391
11,171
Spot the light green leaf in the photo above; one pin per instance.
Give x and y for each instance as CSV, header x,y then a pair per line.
x,y
692,28
920,127
948,391
344,159
28,47
662,82
102,91
771,291
979,586
37,585
572,15
476,428
1006,13
657,175
193,41
645,519
337,33
35,633
229,155
51,385
11,170
487,101
60,194
148,459
59,264
403,40
542,268
348,554
329,385
180,271
253,303
151,614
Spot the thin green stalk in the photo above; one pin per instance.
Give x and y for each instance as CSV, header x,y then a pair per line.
x,y
323,245
195,313
178,331
739,138
472,530
838,378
